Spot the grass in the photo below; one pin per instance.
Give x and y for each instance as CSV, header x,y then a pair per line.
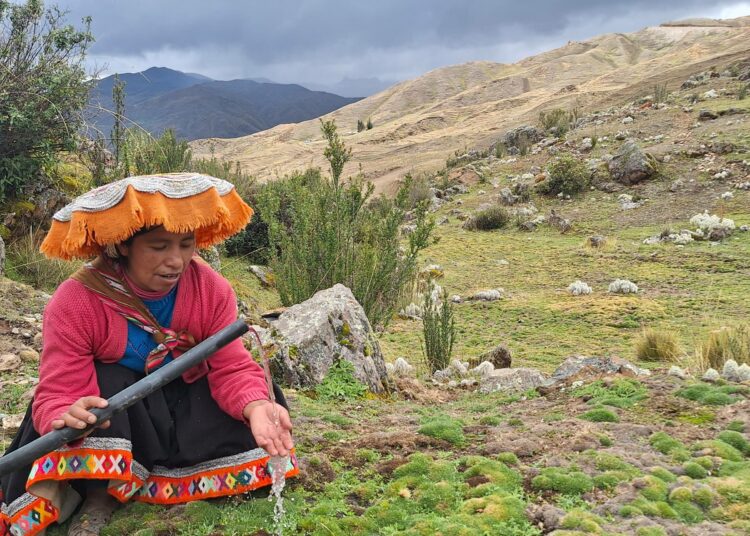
x,y
657,345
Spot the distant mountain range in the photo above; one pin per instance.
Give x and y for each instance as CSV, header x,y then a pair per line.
x,y
198,107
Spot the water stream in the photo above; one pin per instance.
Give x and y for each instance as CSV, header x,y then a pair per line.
x,y
277,465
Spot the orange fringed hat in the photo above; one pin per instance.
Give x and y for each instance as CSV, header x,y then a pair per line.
x,y
181,202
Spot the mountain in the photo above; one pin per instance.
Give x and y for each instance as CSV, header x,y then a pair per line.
x,y
198,107
419,123
353,87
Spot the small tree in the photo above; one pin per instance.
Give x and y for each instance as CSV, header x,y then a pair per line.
x,y
567,176
438,330
369,124
43,88
323,231
360,125
118,129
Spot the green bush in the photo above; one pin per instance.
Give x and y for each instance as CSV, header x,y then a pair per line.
x,y
340,383
438,331
737,440
567,176
43,89
488,219
557,121
323,231
657,345
251,243
708,394
694,470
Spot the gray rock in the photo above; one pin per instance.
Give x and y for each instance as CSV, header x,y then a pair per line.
x,y
631,165
506,197
500,356
488,295
707,115
212,257
517,379
402,368
523,134
677,372
263,274
328,327
546,515
483,369
576,366
9,362
711,375
11,423
597,241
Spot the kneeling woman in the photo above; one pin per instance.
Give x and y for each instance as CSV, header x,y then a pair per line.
x,y
144,300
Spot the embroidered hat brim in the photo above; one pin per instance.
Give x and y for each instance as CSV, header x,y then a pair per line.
x,y
181,202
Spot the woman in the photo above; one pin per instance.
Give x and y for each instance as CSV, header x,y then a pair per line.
x,y
143,301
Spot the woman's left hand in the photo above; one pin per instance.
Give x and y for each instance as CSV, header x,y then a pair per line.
x,y
276,439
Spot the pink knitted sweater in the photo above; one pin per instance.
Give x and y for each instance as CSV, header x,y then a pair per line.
x,y
79,329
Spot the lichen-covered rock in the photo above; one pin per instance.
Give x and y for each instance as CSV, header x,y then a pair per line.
x,y
264,275
711,375
211,256
630,165
581,367
516,379
483,369
678,372
328,327
402,368
487,295
500,356
525,134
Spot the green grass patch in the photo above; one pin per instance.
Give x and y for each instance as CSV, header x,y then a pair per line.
x,y
443,427
600,415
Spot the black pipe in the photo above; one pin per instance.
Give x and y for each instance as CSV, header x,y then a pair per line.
x,y
124,399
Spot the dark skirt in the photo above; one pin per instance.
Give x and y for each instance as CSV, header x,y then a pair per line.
x,y
174,446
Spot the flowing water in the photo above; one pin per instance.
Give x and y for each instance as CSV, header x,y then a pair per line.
x,y
277,464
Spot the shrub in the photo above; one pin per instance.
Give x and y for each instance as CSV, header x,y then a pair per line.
x,y
438,331
418,190
43,89
694,470
707,394
340,383
251,243
557,121
28,264
657,345
488,219
742,92
142,154
725,344
323,231
567,176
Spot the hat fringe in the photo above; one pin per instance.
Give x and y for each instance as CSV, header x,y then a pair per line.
x,y
212,218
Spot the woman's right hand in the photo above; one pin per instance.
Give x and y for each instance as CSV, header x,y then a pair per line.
x,y
78,415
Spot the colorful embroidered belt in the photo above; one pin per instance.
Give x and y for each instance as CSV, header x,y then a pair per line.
x,y
111,459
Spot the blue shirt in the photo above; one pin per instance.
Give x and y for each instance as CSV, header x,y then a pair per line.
x,y
140,343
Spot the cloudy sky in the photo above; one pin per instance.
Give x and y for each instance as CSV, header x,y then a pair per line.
x,y
323,41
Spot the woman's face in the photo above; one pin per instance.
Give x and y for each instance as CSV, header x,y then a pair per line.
x,y
157,258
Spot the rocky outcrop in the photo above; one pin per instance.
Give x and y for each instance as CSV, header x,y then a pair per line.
x,y
330,326
585,368
631,165
517,379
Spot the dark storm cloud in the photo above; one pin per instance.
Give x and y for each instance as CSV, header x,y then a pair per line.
x,y
317,40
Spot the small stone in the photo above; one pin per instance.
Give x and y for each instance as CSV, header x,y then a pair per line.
x,y
597,241
711,375
9,362
29,355
11,423
627,120
38,339
456,299
488,295
678,372
731,371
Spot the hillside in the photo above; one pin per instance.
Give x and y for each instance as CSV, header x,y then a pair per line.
x,y
420,123
198,107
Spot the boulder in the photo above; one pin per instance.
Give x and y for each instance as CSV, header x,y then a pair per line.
x,y
500,356
707,115
263,274
631,165
515,379
523,134
9,362
212,256
315,334
11,423
581,367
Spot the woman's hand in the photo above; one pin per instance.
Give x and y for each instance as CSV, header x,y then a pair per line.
x,y
78,415
274,438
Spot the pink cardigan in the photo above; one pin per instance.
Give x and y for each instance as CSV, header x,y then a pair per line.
x,y
79,329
